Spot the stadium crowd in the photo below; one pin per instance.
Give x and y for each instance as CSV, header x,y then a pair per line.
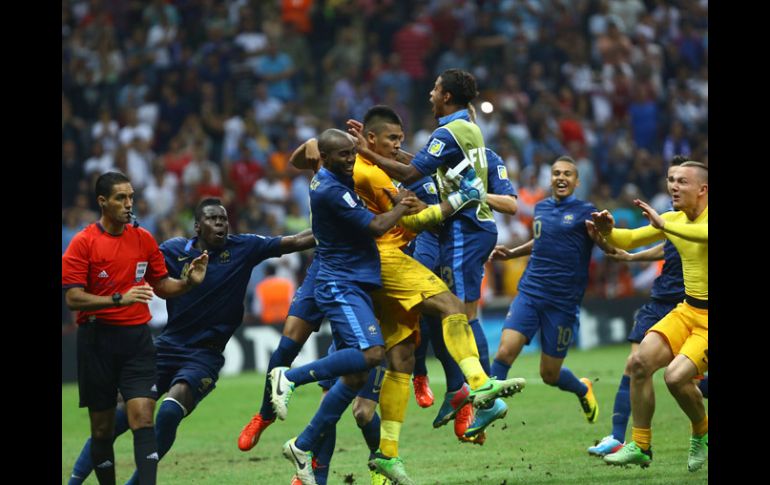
x,y
202,98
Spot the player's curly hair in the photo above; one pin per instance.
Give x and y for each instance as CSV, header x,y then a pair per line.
x,y
460,84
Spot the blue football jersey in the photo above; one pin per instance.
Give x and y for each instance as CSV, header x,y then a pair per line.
x,y
497,175
558,265
340,221
213,309
669,285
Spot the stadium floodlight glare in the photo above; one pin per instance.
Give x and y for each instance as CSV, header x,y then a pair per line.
x,y
487,107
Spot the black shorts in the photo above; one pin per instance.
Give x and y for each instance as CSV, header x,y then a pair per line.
x,y
115,358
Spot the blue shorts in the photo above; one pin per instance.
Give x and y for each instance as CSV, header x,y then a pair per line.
x,y
557,325
648,315
349,310
198,367
463,252
371,389
303,304
425,250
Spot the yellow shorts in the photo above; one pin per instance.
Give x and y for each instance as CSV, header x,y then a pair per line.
x,y
405,284
686,329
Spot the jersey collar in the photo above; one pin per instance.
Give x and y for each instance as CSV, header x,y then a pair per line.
x,y
457,115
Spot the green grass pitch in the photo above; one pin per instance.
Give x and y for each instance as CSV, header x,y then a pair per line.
x,y
543,439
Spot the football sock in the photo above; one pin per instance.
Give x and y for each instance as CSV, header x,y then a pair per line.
x,y
371,432
481,343
568,382
84,465
454,375
642,437
393,401
500,370
103,456
699,429
167,421
283,356
332,406
461,345
323,454
339,363
146,455
622,410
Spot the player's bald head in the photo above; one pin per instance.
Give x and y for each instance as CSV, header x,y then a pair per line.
x,y
333,139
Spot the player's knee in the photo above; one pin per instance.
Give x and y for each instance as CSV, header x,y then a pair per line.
x,y
550,376
102,431
362,413
374,356
637,366
675,379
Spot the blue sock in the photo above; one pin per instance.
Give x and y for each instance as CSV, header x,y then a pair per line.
x,y
339,363
323,452
704,387
622,410
371,432
332,406
481,344
568,382
283,356
167,420
454,375
499,370
84,465
419,354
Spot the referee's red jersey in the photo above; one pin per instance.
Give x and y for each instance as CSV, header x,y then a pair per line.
x,y
103,264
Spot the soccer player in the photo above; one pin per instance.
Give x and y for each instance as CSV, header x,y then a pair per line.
x,y
109,272
679,342
667,293
189,349
455,153
552,287
501,198
349,269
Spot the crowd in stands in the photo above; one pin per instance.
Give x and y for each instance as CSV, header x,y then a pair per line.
x,y
199,98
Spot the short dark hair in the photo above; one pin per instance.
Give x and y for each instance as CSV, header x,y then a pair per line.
x,y
208,201
460,84
378,115
678,160
568,159
107,181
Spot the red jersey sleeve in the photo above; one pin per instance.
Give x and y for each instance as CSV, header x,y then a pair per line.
x,y
156,269
74,263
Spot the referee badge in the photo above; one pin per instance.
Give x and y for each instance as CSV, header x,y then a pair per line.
x,y
141,268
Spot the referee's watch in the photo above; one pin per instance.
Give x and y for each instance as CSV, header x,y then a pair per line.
x,y
117,297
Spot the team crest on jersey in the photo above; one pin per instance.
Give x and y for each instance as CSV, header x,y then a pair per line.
x,y
349,199
372,329
224,257
430,188
141,268
502,172
436,147
568,219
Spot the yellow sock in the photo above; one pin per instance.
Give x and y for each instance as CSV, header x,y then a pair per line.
x,y
699,429
394,396
461,345
642,437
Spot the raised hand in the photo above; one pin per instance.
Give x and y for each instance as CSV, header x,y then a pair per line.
x,y
197,269
603,221
356,129
651,214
